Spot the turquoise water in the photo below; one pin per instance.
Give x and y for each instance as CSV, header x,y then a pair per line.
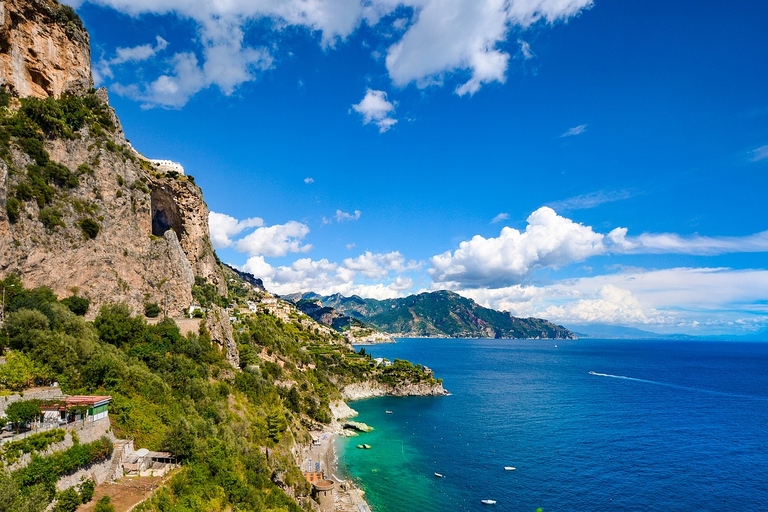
x,y
661,426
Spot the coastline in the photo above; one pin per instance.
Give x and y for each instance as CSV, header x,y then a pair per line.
x,y
349,497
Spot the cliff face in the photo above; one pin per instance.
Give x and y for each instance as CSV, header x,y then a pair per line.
x,y
80,210
44,49
371,389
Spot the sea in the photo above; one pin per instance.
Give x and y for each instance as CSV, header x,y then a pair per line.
x,y
588,425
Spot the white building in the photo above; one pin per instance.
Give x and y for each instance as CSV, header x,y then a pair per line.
x,y
167,165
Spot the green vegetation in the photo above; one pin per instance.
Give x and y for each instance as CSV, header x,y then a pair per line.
x,y
104,505
152,310
77,305
441,313
22,412
90,227
234,431
10,452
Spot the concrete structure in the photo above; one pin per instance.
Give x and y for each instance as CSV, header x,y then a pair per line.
x,y
322,492
146,463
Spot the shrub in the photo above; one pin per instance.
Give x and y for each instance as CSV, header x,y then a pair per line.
x,y
68,501
86,490
13,209
51,218
90,227
104,505
151,310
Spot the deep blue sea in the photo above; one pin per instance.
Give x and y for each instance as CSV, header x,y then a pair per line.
x,y
664,426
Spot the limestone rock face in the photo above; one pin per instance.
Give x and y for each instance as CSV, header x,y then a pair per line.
x,y
361,390
220,328
44,49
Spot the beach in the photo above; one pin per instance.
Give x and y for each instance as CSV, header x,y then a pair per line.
x,y
347,497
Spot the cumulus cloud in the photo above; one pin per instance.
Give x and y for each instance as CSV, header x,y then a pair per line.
x,y
525,49
375,109
549,240
341,216
500,217
721,299
576,130
373,265
436,39
309,180
277,240
222,227
326,277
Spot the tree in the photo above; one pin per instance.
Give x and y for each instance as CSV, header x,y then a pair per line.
x,y
151,310
116,325
19,370
78,305
90,227
67,501
104,505
23,411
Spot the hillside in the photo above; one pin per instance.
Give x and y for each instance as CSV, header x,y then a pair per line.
x,y
441,314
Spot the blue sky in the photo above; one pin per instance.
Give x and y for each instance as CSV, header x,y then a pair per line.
x,y
581,161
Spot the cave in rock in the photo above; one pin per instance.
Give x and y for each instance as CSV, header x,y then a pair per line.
x,y
165,213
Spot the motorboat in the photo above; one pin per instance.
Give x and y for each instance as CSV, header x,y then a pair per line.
x,y
509,468
488,502
438,475
389,412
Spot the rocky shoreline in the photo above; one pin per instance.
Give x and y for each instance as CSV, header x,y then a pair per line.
x,y
349,498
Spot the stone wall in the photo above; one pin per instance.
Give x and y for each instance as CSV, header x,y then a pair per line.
x,y
38,394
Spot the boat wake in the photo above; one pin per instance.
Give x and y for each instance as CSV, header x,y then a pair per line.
x,y
677,386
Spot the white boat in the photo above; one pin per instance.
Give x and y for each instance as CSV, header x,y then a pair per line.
x,y
488,502
388,412
592,373
438,475
509,468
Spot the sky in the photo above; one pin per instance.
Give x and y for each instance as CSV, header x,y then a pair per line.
x,y
582,161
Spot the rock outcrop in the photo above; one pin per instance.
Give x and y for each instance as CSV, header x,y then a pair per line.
x,y
44,49
361,390
146,235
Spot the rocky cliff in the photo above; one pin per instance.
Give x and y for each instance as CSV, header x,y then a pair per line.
x,y
81,211
371,389
44,49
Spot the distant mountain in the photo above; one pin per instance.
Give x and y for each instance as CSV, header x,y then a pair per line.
x,y
606,331
438,314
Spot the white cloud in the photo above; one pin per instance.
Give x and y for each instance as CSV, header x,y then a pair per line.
x,y
351,246
549,240
438,38
222,227
375,108
309,180
464,35
103,69
591,200
277,240
759,154
326,277
576,130
672,300
525,49
344,216
377,266
672,243
500,217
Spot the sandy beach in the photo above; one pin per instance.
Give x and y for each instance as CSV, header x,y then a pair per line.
x,y
347,498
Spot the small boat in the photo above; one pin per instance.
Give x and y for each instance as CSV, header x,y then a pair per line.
x,y
592,373
389,412
438,475
488,502
509,468
360,446
367,446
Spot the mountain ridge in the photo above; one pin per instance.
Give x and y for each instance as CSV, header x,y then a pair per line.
x,y
437,314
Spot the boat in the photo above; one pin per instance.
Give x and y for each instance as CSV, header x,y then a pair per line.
x,y
438,475
488,502
367,446
389,412
509,468
360,446
592,373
